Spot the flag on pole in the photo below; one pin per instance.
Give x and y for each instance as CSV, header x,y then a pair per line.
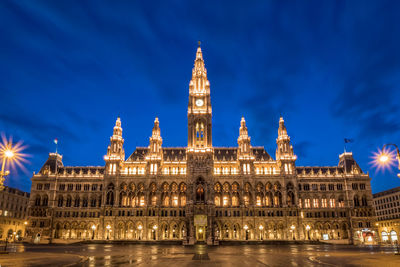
x,y
347,140
56,141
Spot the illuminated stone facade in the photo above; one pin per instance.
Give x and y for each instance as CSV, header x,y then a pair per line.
x,y
387,209
201,192
13,213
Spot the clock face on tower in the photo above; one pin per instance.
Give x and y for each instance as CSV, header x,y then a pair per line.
x,y
199,102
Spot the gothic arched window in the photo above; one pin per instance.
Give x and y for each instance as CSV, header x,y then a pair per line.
x,y
200,194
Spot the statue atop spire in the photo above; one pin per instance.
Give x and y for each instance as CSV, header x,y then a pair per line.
x,y
282,128
156,128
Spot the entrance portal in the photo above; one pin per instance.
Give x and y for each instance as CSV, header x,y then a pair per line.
x,y
200,223
200,233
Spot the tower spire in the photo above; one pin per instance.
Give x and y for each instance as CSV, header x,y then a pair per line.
x,y
199,108
155,139
284,149
244,140
115,151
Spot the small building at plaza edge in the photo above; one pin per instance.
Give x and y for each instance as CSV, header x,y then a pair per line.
x,y
387,210
202,193
13,214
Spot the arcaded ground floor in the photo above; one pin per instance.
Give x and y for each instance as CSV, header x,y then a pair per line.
x,y
288,254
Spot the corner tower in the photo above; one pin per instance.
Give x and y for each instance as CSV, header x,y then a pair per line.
x,y
199,109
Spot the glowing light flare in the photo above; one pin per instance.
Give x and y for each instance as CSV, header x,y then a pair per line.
x,y
383,159
12,153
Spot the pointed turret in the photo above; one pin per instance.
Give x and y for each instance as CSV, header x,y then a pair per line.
x,y
284,151
154,154
115,151
155,139
243,140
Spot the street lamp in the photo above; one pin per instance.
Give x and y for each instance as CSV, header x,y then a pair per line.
x,y
261,233
308,231
386,157
93,228
154,231
293,227
108,231
10,154
140,227
246,229
7,155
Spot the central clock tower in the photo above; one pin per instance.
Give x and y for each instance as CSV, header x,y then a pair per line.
x,y
199,155
199,109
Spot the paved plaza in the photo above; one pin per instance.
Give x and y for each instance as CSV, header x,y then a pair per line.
x,y
199,255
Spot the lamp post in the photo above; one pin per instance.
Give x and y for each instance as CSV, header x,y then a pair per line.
x,y
308,231
8,154
246,229
108,231
154,232
385,158
93,228
292,230
261,231
140,231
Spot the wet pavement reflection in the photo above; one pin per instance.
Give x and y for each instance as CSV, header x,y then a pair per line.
x,y
203,255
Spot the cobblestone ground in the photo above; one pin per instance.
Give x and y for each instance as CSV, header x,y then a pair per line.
x,y
200,255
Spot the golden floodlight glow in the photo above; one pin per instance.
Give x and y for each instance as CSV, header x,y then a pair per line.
x,y
10,156
11,153
383,159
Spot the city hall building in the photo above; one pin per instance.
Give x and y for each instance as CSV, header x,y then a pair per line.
x,y
201,193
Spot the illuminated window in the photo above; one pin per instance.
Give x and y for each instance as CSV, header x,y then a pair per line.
x,y
246,168
246,200
140,170
258,201
315,203
153,200
141,201
341,203
323,203
300,203
183,171
183,200
235,201
166,201
175,201
234,171
307,203
332,202
166,171
225,201
217,201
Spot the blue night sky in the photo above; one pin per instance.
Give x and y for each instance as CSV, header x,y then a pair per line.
x,y
331,68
